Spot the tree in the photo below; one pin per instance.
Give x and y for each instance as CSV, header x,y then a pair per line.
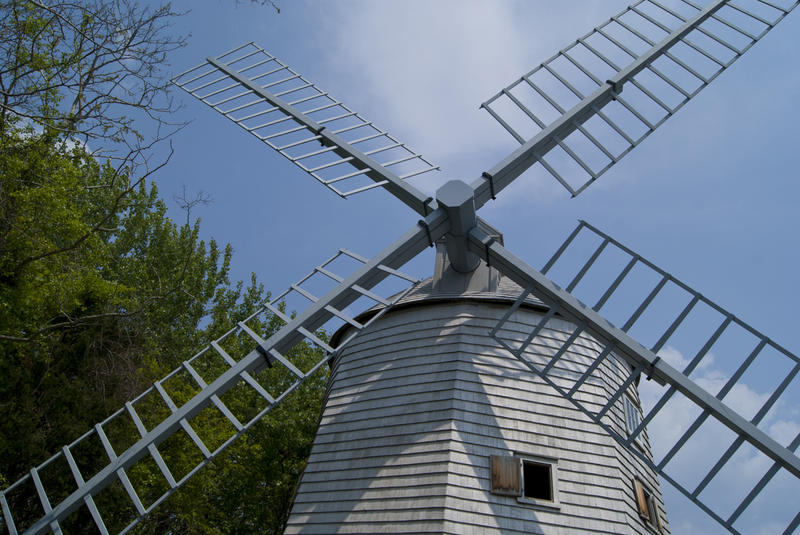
x,y
84,309
86,69
250,488
100,292
86,327
88,73
79,74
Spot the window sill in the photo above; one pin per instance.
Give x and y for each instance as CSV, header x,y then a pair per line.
x,y
540,504
652,528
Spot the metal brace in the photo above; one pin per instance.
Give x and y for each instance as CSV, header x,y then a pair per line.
x,y
263,352
427,231
652,368
426,206
490,178
488,243
616,87
318,132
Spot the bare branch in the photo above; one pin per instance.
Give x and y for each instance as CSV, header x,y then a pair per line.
x,y
265,2
14,338
89,70
186,204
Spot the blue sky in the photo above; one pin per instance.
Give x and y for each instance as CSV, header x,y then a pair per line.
x,y
710,197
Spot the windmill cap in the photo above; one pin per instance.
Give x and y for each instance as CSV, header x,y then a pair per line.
x,y
484,285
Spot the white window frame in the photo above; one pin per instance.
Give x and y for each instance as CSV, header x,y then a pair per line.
x,y
633,418
553,465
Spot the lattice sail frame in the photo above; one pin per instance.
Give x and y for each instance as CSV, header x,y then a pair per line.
x,y
618,83
292,115
675,302
195,390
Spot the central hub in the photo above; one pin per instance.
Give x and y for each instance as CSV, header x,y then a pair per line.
x,y
457,198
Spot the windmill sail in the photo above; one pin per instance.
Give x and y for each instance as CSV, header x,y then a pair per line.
x,y
743,352
195,392
582,110
322,136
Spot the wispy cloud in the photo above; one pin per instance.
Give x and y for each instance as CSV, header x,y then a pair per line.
x,y
698,455
429,65
425,67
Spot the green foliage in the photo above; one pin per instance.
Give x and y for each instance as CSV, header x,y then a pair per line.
x,y
100,294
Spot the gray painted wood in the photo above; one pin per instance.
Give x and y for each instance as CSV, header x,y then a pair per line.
x,y
419,402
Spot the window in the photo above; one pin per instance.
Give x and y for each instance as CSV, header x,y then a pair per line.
x,y
646,505
533,480
633,418
537,480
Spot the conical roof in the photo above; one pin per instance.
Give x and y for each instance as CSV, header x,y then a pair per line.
x,y
484,284
504,290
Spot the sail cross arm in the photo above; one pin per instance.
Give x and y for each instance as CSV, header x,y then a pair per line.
x,y
637,355
614,86
519,161
269,355
294,117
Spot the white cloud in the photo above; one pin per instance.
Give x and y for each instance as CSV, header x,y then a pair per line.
x,y
427,66
706,446
784,431
422,69
771,529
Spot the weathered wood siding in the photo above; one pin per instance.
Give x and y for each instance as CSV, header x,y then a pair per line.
x,y
420,401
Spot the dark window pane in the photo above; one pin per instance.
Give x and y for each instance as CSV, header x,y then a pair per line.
x,y
538,481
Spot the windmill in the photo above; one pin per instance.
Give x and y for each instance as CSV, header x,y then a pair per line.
x,y
476,241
